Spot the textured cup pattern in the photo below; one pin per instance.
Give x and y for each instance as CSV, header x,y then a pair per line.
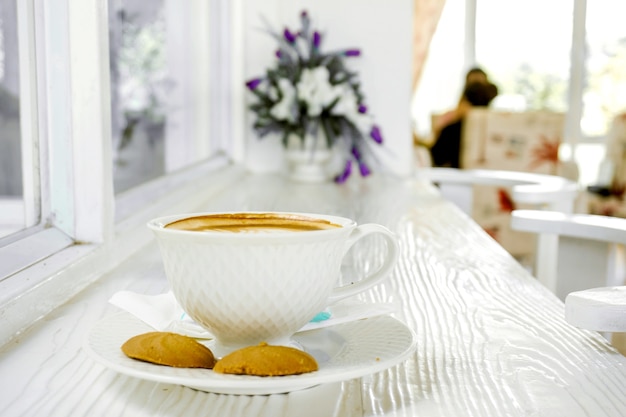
x,y
249,293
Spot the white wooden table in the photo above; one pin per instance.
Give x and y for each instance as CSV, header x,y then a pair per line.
x,y
491,340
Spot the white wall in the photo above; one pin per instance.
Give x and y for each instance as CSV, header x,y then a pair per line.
x,y
380,28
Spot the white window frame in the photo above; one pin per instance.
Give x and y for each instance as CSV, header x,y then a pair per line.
x,y
64,118
84,229
573,132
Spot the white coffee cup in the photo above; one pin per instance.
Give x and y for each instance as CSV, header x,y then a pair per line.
x,y
249,277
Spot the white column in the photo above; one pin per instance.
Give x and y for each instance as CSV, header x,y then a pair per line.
x,y
577,77
77,102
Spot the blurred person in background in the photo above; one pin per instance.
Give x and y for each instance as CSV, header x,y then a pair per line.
x,y
446,149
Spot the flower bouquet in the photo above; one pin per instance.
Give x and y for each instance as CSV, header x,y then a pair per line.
x,y
308,91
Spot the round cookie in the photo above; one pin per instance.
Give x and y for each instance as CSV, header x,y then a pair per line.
x,y
171,349
266,360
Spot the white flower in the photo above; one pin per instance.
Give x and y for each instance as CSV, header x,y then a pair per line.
x,y
348,107
284,109
302,45
347,103
315,90
272,94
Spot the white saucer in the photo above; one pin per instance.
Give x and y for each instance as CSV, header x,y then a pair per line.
x,y
343,352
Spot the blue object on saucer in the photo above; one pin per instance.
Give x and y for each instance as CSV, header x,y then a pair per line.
x,y
321,316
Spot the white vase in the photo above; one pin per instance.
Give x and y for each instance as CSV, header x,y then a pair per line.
x,y
308,160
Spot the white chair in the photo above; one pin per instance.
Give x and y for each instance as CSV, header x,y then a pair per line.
x,y
553,192
589,270
539,191
601,309
515,141
589,252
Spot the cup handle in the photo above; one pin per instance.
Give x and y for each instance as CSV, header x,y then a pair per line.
x,y
377,276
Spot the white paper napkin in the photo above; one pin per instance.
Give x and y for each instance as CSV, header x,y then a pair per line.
x,y
163,313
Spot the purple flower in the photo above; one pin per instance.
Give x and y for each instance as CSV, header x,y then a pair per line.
x,y
317,39
375,134
290,37
304,17
362,108
352,52
356,153
341,178
365,170
253,84
279,53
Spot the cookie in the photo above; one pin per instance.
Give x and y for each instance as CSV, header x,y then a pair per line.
x,y
169,349
266,360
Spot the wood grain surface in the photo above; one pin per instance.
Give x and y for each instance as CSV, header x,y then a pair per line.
x,y
491,340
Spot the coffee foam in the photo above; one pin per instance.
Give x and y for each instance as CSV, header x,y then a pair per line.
x,y
251,223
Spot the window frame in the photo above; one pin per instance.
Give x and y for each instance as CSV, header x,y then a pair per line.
x,y
66,175
85,229
437,93
35,156
572,128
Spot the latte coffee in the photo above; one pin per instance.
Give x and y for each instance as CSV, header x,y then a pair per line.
x,y
251,223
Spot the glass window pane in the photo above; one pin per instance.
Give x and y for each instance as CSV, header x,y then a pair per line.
x,y
139,90
525,46
605,91
443,74
11,186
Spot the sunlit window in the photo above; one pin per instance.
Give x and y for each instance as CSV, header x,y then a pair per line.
x,y
140,84
605,93
162,81
12,216
525,47
443,74
85,131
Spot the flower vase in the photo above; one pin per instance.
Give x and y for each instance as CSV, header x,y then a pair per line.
x,y
308,159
